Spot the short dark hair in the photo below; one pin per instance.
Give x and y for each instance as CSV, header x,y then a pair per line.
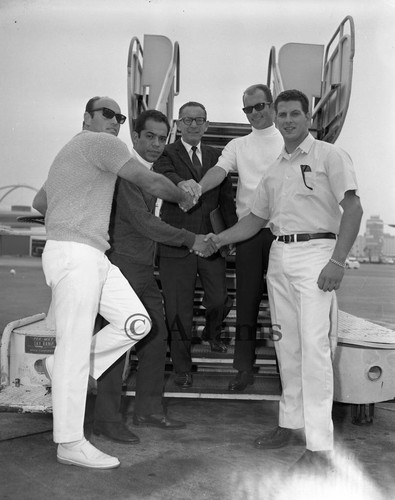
x,y
193,104
91,104
150,114
259,86
293,95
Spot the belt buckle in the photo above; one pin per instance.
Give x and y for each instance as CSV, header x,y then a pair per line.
x,y
288,238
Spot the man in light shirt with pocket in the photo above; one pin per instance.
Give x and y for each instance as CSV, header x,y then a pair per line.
x,y
309,197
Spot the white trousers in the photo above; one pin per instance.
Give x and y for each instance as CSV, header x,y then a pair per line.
x,y
85,283
302,313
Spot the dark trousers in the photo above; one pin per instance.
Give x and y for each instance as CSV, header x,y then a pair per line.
x,y
151,351
252,258
178,277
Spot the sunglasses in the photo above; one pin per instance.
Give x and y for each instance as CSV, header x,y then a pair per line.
x,y
258,107
109,114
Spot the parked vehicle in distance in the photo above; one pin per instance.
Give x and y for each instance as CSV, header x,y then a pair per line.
x,y
363,260
387,260
352,263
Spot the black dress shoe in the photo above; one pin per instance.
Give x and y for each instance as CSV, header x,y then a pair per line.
x,y
183,380
240,382
115,431
319,462
161,421
216,344
277,438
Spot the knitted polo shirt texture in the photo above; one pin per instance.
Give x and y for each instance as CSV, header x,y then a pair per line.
x,y
80,188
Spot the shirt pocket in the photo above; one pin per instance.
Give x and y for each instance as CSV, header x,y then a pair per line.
x,y
308,180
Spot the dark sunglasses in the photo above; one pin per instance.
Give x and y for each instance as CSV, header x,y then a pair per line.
x,y
109,114
258,107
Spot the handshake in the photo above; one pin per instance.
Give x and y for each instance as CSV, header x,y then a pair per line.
x,y
192,192
206,245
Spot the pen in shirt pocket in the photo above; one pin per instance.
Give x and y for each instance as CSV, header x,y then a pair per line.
x,y
303,169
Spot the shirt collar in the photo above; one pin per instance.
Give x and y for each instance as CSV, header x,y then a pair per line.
x,y
307,144
141,160
263,131
188,147
304,147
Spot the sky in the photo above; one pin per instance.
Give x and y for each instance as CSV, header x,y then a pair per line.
x,y
56,54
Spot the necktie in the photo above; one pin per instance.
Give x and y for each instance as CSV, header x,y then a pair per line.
x,y
196,162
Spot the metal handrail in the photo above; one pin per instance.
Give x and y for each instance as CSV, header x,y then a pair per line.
x,y
278,85
326,94
138,96
173,133
340,32
325,99
135,72
168,90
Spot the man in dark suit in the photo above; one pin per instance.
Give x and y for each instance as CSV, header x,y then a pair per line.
x,y
187,159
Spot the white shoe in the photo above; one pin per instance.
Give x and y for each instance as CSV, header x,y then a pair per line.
x,y
86,455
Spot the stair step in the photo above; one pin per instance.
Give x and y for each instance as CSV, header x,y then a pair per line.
x,y
212,385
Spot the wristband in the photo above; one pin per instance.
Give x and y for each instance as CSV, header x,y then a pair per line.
x,y
340,264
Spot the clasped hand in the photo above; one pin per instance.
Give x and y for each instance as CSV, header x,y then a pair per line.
x,y
204,245
193,191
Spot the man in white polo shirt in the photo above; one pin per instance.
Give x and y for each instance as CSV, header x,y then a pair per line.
x,y
76,200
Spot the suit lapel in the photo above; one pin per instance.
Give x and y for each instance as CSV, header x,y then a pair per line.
x,y
184,156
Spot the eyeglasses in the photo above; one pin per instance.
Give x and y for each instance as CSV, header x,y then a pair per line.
x,y
109,114
189,121
258,107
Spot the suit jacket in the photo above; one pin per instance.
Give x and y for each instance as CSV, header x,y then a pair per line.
x,y
177,166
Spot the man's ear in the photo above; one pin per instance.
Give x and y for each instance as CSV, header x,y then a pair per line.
x,y
135,137
87,119
272,111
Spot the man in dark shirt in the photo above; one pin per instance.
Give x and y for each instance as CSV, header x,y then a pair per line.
x,y
134,229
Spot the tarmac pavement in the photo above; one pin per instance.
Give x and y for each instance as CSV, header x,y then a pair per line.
x,y
212,458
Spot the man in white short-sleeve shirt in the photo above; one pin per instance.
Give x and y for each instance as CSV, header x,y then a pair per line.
x,y
309,198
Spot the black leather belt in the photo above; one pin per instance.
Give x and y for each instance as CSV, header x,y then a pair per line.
x,y
293,238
